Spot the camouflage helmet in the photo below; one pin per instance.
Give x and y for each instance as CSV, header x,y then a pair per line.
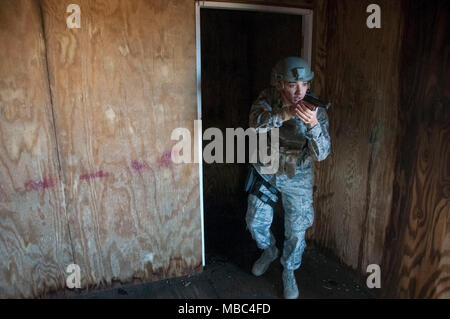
x,y
291,69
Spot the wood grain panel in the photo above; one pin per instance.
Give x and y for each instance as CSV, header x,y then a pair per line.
x,y
416,260
319,49
354,185
34,239
121,83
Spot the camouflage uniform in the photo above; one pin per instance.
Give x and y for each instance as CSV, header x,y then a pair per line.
x,y
268,112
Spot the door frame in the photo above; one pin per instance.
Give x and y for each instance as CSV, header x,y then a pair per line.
x,y
306,36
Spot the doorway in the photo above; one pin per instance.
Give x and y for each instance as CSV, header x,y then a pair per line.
x,y
237,46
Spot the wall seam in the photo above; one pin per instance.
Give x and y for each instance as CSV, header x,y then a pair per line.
x,y
53,120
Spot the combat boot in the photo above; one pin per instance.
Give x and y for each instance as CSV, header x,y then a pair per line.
x,y
290,285
262,264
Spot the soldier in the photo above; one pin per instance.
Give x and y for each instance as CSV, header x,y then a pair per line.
x,y
303,138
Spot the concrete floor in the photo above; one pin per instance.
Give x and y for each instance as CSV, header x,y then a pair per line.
x,y
319,277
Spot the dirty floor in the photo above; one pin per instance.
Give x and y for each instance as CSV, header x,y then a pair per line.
x,y
320,276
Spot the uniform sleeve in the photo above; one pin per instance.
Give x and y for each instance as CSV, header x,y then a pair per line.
x,y
318,137
264,114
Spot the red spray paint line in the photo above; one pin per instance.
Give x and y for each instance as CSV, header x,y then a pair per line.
x,y
38,184
89,176
138,166
166,159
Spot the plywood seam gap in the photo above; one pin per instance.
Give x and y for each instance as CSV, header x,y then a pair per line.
x,y
361,253
58,155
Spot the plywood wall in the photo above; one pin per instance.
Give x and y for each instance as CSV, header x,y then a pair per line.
x,y
35,246
416,259
120,85
354,185
86,122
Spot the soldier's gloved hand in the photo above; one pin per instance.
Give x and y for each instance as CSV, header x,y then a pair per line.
x,y
306,115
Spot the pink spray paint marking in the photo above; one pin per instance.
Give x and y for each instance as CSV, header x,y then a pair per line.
x,y
38,184
138,166
166,159
90,176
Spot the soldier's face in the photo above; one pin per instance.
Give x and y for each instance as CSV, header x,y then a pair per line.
x,y
294,92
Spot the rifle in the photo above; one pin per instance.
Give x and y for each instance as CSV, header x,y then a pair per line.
x,y
310,98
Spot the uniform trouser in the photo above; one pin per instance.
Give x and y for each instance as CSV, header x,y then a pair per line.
x,y
296,196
